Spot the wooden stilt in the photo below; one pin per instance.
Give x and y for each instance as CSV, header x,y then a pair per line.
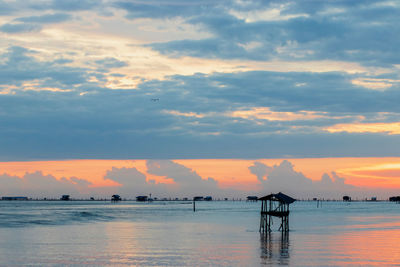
x,y
275,205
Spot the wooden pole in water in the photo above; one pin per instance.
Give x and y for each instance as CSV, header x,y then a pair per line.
x,y
194,206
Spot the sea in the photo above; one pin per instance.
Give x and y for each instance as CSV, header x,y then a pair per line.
x,y
218,233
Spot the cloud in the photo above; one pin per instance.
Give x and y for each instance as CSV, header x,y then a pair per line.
x,y
37,184
55,110
19,28
315,31
6,8
55,102
110,63
260,170
74,5
162,9
280,29
19,66
46,18
188,182
11,185
283,178
134,183
70,5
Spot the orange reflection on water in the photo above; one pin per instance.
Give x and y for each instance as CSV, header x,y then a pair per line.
x,y
356,245
275,248
374,247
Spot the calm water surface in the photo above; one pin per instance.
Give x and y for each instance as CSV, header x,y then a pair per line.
x,y
39,233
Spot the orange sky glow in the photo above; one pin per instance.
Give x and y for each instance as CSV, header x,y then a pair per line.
x,y
230,173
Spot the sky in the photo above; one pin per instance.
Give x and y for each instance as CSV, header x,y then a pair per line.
x,y
177,97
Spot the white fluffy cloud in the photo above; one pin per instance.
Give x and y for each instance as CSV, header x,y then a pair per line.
x,y
284,178
134,183
37,184
188,182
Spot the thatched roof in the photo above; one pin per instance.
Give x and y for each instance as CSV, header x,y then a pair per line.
x,y
279,197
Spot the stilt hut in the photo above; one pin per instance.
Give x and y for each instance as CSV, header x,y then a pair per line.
x,y
275,205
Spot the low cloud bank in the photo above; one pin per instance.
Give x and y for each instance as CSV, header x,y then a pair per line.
x,y
37,184
284,178
134,183
186,182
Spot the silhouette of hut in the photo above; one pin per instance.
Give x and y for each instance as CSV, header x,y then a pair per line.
x,y
275,205
252,198
395,199
141,198
14,198
115,198
346,198
64,197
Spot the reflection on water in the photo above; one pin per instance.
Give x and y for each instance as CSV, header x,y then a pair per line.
x,y
178,244
275,248
217,234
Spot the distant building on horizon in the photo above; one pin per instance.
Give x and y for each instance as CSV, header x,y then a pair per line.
x,y
115,198
346,198
14,198
65,197
141,198
252,198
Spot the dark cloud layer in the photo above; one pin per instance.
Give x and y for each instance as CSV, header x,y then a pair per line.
x,y
93,122
163,9
19,28
334,30
20,66
5,8
49,109
70,5
46,18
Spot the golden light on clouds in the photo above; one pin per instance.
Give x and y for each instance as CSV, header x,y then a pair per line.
x,y
96,37
384,171
375,84
234,173
388,128
93,171
264,113
184,114
270,14
385,175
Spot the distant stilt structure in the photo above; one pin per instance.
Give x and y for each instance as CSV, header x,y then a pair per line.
x,y
275,205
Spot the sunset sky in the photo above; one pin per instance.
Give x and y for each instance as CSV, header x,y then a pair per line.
x,y
174,97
